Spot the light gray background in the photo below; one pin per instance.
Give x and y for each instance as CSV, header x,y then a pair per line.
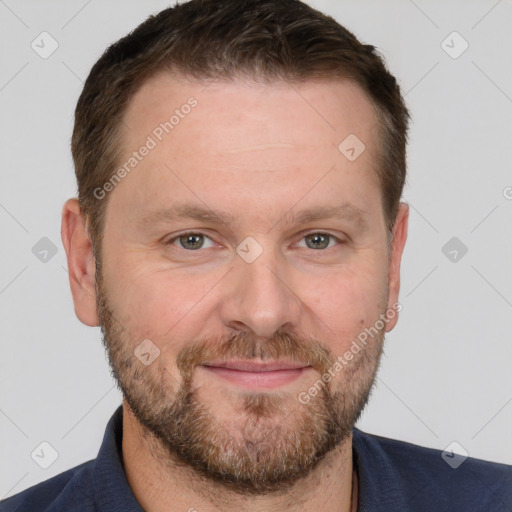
x,y
446,373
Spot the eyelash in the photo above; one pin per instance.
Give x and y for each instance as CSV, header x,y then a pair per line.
x,y
177,237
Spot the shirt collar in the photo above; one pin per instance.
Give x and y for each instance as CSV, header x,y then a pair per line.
x,y
378,480
112,490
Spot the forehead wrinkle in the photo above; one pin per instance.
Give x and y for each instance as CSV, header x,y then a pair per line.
x,y
261,146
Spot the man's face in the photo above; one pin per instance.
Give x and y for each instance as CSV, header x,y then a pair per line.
x,y
266,284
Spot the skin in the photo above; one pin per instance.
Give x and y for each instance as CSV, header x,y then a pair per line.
x,y
258,152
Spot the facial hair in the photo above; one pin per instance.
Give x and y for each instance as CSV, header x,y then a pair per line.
x,y
275,440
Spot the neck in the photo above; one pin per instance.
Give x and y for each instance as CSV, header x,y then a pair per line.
x,y
161,484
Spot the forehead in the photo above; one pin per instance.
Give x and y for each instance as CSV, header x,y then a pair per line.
x,y
329,109
268,143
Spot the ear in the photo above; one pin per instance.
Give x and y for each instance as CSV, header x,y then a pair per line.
x,y
395,258
81,262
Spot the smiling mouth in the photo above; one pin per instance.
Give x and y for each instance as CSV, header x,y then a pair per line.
x,y
254,375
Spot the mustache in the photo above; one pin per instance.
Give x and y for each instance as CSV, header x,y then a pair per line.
x,y
244,345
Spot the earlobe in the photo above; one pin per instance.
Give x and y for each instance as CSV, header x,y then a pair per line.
x,y
81,262
395,258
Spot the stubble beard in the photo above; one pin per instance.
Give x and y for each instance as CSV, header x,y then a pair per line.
x,y
273,440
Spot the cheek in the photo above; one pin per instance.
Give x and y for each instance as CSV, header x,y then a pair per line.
x,y
346,302
157,304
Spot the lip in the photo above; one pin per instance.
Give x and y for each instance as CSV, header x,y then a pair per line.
x,y
253,366
256,375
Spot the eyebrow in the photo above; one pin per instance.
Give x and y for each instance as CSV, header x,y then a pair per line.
x,y
343,211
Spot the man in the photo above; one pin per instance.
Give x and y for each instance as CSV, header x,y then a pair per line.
x,y
238,236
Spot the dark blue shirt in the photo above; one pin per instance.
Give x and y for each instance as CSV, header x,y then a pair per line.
x,y
393,476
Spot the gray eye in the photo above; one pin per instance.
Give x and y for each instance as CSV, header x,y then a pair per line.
x,y
191,241
317,240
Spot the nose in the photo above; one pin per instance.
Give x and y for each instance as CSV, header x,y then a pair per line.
x,y
260,296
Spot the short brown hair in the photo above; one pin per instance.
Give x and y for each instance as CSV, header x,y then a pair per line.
x,y
268,40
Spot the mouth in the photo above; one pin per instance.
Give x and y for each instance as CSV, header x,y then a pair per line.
x,y
256,374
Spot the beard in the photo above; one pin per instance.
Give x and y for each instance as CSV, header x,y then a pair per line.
x,y
271,439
